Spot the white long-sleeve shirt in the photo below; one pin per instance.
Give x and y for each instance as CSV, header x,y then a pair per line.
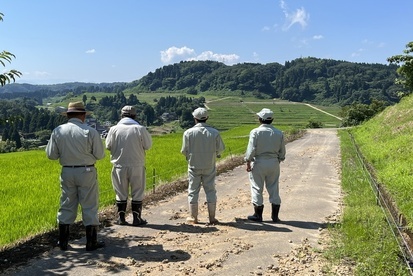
x,y
75,144
127,142
201,144
265,142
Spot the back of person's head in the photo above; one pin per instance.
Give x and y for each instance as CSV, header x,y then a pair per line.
x,y
200,114
75,110
266,116
128,111
267,122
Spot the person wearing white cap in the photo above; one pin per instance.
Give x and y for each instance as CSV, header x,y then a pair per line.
x,y
77,146
265,151
127,142
201,145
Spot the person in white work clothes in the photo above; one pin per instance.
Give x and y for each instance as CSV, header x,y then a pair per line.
x,y
265,151
201,145
128,142
77,146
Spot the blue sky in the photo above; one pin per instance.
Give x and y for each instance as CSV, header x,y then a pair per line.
x,y
57,41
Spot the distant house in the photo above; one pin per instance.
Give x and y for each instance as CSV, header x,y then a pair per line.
x,y
167,117
93,122
60,109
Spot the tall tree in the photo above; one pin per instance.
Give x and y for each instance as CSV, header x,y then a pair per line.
x,y
84,99
406,69
7,76
16,137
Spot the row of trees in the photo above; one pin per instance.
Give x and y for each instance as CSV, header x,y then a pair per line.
x,y
28,126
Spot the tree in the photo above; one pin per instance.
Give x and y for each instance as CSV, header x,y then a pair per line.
x,y
84,99
406,69
16,137
186,120
6,77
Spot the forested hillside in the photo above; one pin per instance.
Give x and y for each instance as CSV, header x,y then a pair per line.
x,y
363,89
321,81
314,80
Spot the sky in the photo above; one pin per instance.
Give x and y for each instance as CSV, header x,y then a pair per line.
x,y
101,41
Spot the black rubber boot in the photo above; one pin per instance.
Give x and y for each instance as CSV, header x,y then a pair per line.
x,y
121,212
275,211
63,236
137,214
92,242
257,216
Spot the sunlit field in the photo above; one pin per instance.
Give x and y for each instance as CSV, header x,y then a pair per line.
x,y
30,182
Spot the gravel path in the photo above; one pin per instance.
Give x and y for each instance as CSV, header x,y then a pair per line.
x,y
311,194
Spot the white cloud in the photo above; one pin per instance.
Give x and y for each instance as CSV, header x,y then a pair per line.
x,y
256,56
317,37
225,58
174,54
357,53
300,16
41,74
265,29
366,41
373,43
91,51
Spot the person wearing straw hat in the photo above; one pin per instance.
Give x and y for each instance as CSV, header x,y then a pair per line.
x,y
265,151
77,147
127,142
201,145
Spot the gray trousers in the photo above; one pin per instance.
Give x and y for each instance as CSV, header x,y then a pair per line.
x,y
204,178
79,186
125,177
265,172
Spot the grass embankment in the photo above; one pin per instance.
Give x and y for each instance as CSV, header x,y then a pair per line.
x,y
30,182
386,142
363,239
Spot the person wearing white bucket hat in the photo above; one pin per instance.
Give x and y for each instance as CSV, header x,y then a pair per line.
x,y
201,145
265,151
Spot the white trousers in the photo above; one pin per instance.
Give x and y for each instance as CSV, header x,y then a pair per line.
x,y
125,177
265,172
204,178
79,186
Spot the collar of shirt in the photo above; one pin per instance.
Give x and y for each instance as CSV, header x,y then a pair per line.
x,y
201,125
128,121
75,120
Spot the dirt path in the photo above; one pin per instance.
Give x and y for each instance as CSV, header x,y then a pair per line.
x,y
324,112
310,190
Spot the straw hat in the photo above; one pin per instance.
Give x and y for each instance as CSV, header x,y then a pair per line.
x,y
76,107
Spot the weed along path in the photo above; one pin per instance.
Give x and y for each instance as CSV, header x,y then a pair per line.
x,y
310,192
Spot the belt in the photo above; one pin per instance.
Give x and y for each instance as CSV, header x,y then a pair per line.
x,y
81,166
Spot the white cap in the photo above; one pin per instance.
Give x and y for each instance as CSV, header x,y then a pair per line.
x,y
266,114
128,110
200,113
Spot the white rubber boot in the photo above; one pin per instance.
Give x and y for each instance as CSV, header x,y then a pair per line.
x,y
193,211
211,212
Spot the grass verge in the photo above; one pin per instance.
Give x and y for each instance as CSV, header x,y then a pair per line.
x,y
363,239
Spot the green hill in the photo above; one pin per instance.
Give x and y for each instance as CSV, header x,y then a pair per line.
x,y
321,81
312,80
